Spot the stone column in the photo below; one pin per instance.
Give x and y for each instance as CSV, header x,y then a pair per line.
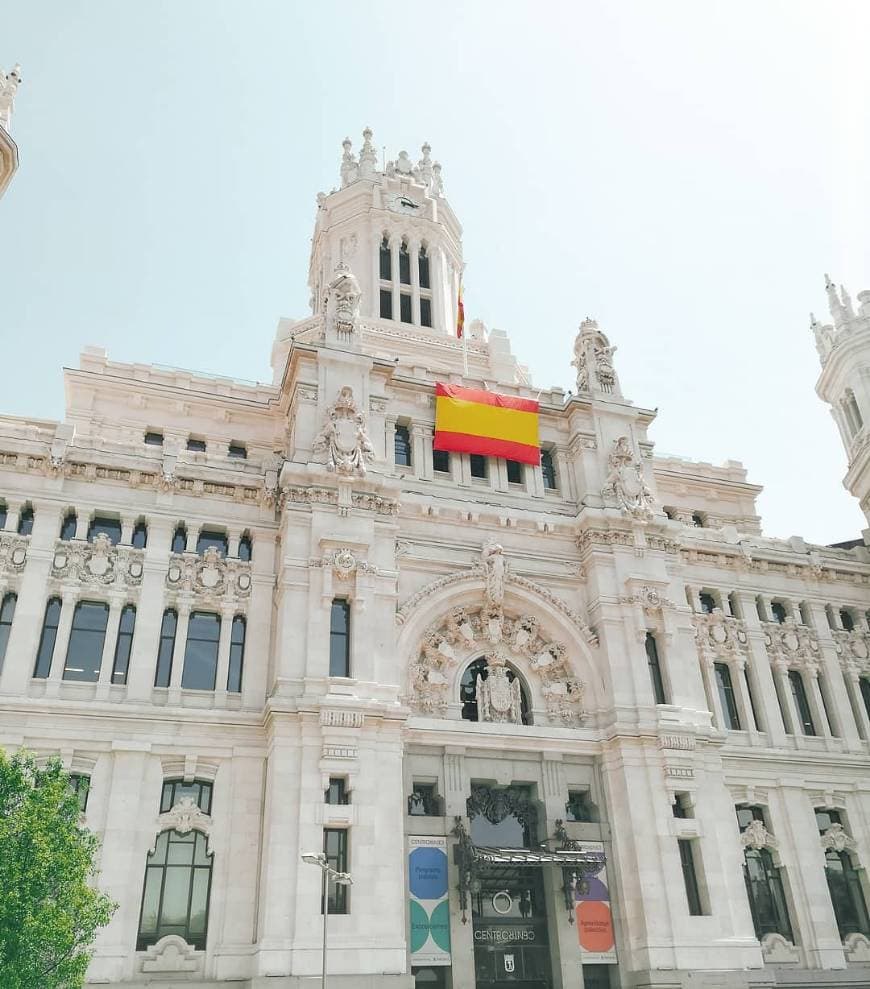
x,y
817,705
127,523
762,675
233,538
69,598
783,690
149,611
390,422
414,251
744,705
223,664
421,463
712,689
838,694
82,523
13,512
394,260
178,652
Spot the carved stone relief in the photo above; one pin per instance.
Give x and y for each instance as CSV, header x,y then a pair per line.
x,y
626,484
853,650
13,552
344,438
210,576
792,646
97,563
720,638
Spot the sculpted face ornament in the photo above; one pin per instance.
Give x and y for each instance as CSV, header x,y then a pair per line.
x,y
342,299
344,438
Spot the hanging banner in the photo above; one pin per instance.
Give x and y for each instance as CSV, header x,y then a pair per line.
x,y
592,911
429,902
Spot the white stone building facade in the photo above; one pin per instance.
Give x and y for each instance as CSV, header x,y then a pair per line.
x,y
246,614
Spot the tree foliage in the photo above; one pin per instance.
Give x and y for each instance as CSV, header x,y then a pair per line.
x,y
49,913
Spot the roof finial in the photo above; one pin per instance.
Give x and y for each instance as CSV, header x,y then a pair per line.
x,y
9,82
424,166
847,302
368,157
349,169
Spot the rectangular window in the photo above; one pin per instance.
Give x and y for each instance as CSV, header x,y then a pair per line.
x,y
441,461
7,613
801,702
777,609
124,645
477,462
404,265
865,693
386,261
681,807
86,640
80,786
726,697
580,807
514,472
690,878
336,793
405,308
208,538
402,446
655,671
335,846
201,651
339,638
548,470
424,269
108,527
199,791
195,446
165,649
154,439
425,312
237,450
237,655
47,639
424,801
386,304
708,602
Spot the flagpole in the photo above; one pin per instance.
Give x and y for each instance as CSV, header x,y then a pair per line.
x,y
460,323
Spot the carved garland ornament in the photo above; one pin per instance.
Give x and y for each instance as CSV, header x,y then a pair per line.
x,y
344,438
209,577
853,650
98,562
626,484
792,646
719,637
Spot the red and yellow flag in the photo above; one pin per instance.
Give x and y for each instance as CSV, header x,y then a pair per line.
x,y
468,420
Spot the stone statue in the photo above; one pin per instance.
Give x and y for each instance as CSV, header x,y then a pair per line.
x,y
344,437
494,566
579,362
604,366
342,299
9,82
349,166
626,483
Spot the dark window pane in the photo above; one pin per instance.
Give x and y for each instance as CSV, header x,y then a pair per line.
x,y
335,846
548,470
425,312
726,697
165,649
201,651
386,304
140,535
237,655
339,638
708,602
179,540
337,793
405,308
68,526
208,538
424,801
196,446
766,896
865,693
687,861
80,786
404,265
47,638
777,609
154,439
86,641
800,698
386,261
108,527
124,645
698,520
237,450
25,521
441,461
477,462
3,515
846,620
580,807
402,445
514,472
7,613
246,549
199,791
423,260
655,672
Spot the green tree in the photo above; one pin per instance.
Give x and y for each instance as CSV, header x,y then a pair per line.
x,y
49,914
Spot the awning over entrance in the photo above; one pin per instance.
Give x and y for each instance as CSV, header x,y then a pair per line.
x,y
533,856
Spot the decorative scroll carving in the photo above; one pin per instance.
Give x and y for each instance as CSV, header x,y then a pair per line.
x,y
625,482
172,954
344,438
755,835
13,552
649,598
97,563
210,576
495,804
499,698
837,838
792,646
853,650
343,562
446,643
777,949
720,638
184,817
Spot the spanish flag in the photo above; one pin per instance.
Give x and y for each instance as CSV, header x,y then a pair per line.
x,y
471,421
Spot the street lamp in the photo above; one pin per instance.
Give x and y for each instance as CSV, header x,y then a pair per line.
x,y
327,873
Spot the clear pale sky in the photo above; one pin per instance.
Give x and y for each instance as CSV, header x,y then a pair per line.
x,y
683,172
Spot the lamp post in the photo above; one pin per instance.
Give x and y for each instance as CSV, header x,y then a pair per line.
x,y
327,873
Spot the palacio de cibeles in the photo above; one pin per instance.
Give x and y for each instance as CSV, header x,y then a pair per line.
x,y
558,720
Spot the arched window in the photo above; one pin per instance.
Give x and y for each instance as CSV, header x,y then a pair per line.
x,y
844,883
47,638
7,613
177,887
764,888
655,669
25,521
796,681
166,648
179,539
468,691
852,412
201,651
246,548
68,525
87,638
386,260
124,644
140,535
726,697
423,267
208,538
237,655
404,264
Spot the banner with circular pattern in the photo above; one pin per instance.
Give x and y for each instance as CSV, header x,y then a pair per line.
x,y
429,902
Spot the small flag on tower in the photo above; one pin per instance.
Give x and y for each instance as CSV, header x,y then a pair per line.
x,y
460,315
469,420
